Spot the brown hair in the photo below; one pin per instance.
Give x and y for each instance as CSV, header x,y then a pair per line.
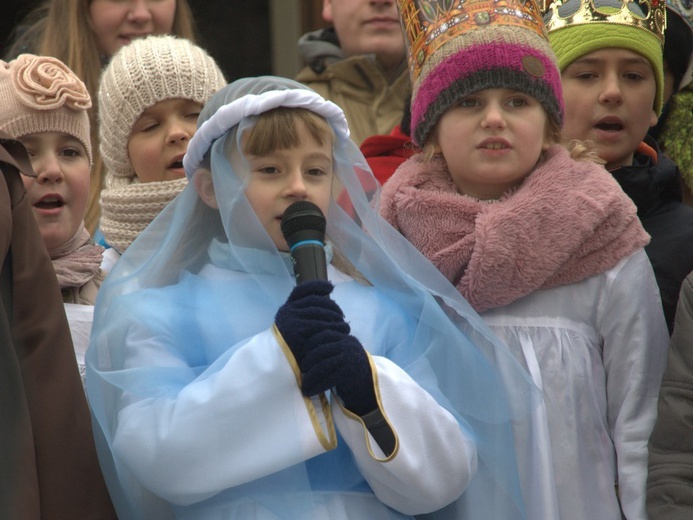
x,y
276,130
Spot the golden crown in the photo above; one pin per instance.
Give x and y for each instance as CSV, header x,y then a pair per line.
x,y
650,16
429,24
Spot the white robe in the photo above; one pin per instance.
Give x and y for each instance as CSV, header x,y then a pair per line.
x,y
597,350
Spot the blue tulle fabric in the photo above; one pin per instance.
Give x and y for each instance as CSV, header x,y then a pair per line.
x,y
155,285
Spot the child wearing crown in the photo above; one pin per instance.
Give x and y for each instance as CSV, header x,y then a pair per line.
x,y
541,241
610,56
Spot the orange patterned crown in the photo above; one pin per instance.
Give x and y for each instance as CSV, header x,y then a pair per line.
x,y
429,24
652,19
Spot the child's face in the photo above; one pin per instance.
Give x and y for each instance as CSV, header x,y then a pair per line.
x,y
160,138
283,177
117,22
58,195
609,98
491,140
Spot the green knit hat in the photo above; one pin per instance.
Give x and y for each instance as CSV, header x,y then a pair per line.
x,y
571,41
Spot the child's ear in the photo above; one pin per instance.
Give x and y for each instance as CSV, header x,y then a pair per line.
x,y
654,119
205,187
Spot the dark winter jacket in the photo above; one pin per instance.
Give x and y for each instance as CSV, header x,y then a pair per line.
x,y
654,186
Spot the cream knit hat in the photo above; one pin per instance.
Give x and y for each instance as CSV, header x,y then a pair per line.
x,y
41,94
140,75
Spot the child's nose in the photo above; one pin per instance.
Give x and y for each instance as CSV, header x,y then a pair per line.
x,y
296,185
493,116
47,169
179,132
611,93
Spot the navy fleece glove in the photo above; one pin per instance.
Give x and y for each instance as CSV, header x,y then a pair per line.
x,y
313,326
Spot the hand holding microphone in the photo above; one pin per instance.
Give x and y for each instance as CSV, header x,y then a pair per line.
x,y
313,325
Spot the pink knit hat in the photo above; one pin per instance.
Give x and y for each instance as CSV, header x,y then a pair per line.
x,y
458,48
41,94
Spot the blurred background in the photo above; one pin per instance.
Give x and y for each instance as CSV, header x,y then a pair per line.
x,y
246,37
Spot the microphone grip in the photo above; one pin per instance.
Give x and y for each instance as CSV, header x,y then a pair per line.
x,y
310,263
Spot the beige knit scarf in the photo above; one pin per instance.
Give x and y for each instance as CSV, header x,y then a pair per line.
x,y
567,221
127,210
77,261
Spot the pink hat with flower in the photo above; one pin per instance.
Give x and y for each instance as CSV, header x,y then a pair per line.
x,y
41,94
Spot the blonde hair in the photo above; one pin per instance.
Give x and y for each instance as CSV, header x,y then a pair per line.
x,y
67,35
62,29
585,151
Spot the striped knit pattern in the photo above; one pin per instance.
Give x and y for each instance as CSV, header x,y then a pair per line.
x,y
488,57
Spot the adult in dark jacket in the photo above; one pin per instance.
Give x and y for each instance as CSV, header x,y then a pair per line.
x,y
653,182
48,463
670,475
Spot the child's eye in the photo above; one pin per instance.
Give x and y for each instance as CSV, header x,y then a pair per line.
x,y
585,75
468,102
71,152
635,76
193,115
269,170
145,125
517,102
316,172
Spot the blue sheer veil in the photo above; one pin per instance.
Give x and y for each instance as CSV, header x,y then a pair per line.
x,y
476,376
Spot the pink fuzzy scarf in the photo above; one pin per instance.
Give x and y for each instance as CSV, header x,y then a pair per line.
x,y
568,221
77,261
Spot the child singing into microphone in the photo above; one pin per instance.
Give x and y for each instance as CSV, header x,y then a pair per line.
x,y
223,390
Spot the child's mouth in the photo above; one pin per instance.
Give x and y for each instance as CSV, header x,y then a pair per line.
x,y
176,164
610,127
49,203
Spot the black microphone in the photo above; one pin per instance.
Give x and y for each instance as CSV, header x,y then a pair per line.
x,y
303,226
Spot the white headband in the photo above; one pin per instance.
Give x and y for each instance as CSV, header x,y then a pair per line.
x,y
230,115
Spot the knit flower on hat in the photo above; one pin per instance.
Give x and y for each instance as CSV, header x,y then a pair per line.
x,y
45,83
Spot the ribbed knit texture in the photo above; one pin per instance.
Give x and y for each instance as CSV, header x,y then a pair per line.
x,y
487,57
41,94
142,74
127,210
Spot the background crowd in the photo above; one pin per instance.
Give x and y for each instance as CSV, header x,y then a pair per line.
x,y
506,191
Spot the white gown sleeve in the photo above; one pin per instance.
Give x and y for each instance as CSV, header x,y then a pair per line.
x,y
244,420
635,349
434,459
